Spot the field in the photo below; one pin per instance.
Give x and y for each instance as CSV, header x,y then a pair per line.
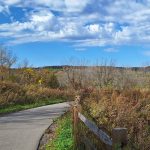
x,y
116,97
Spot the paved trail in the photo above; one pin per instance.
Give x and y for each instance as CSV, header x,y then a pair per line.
x,y
22,130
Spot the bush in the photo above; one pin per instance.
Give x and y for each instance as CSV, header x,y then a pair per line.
x,y
123,108
53,81
11,93
38,93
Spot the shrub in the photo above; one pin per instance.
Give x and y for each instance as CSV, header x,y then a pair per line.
x,y
11,93
38,93
124,108
53,81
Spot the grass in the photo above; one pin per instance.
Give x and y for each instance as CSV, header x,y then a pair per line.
x,y
63,136
17,107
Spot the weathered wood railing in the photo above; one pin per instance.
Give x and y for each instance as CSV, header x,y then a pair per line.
x,y
118,140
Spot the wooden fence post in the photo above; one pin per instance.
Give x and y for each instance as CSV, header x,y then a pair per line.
x,y
76,108
75,122
119,138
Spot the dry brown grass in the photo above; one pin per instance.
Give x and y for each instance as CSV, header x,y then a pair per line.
x,y
127,108
14,93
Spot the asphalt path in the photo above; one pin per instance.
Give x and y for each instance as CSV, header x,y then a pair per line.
x,y
23,130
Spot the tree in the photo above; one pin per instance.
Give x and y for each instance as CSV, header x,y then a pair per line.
x,y
76,73
24,64
7,60
104,73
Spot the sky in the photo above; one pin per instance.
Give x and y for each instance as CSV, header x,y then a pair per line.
x,y
50,32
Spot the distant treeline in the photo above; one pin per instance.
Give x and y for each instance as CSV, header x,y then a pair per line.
x,y
79,67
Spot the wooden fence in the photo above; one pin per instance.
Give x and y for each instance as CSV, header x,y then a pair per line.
x,y
117,140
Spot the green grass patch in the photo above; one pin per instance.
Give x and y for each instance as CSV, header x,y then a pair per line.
x,y
17,107
63,136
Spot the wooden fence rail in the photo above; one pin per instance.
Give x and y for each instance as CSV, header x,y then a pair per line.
x,y
117,141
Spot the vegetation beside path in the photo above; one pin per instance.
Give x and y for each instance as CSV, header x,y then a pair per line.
x,y
63,138
18,107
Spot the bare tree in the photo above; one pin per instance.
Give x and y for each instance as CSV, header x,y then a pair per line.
x,y
7,60
24,64
76,73
103,73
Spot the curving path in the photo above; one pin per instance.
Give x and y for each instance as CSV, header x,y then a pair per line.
x,y
23,130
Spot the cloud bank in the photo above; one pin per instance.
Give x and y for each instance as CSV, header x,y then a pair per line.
x,y
85,23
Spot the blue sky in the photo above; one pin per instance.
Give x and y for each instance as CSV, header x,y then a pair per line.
x,y
49,32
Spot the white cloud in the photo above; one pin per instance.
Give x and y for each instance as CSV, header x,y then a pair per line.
x,y
4,9
52,4
124,35
76,5
94,28
11,2
109,27
43,21
1,8
80,49
41,17
146,53
111,50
